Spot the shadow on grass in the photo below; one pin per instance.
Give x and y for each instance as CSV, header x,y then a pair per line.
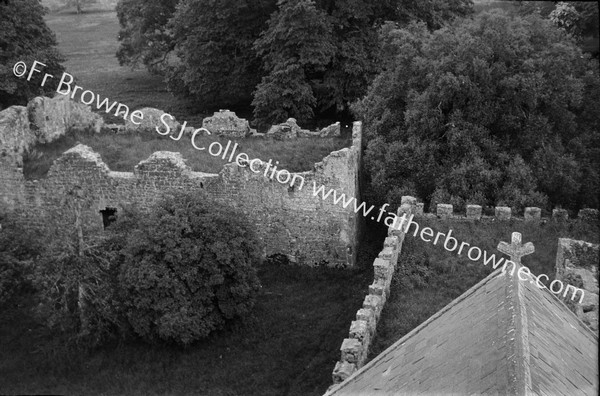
x,y
288,346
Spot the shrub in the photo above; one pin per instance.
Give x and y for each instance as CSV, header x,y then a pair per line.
x,y
188,269
175,273
17,250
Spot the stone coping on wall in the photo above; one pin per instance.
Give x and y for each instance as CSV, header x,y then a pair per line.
x,y
355,348
504,213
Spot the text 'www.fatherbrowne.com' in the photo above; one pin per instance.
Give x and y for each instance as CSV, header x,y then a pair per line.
x,y
67,87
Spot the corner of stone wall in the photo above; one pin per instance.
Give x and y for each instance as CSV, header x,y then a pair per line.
x,y
577,265
355,348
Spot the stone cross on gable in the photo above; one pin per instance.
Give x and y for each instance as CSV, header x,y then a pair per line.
x,y
516,250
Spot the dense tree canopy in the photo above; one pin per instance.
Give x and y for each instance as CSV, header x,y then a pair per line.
x,y
188,268
144,35
24,36
489,111
218,66
236,51
297,44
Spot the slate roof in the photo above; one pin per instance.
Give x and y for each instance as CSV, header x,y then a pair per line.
x,y
502,336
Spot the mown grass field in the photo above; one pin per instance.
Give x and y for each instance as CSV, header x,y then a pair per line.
x,y
437,276
288,346
89,43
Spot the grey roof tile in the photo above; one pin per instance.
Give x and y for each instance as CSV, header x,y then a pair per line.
x,y
501,336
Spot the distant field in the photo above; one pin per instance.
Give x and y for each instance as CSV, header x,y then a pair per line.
x,y
482,6
123,152
89,42
438,276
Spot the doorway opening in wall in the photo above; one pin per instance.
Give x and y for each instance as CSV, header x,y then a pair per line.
x,y
109,216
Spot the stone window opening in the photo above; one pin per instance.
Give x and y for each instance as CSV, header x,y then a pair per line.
x,y
109,216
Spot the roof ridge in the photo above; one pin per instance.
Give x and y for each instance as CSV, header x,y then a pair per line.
x,y
416,330
519,359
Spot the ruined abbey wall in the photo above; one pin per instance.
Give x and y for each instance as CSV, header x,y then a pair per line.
x,y
289,220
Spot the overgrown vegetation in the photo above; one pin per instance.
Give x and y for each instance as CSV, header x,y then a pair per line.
x,y
499,109
123,152
18,250
428,277
187,268
287,346
24,36
314,57
176,273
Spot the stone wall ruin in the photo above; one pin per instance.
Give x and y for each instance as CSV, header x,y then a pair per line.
x,y
288,220
577,264
355,349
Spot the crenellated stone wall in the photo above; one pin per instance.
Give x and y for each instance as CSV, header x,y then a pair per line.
x,y
355,348
504,213
289,220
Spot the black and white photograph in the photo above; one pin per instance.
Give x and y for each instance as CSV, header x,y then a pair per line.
x,y
299,197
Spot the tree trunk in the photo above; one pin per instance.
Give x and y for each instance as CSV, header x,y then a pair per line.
x,y
80,252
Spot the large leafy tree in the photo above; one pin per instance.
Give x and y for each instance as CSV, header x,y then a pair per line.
x,y
175,273
297,44
214,53
24,36
145,37
490,110
351,26
218,65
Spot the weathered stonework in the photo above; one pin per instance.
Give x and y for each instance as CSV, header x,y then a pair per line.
x,y
419,209
503,213
444,211
287,130
333,130
588,215
577,264
15,137
289,220
474,212
560,215
43,120
355,348
50,117
227,123
532,214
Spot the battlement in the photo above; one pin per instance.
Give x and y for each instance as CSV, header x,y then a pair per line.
x,y
504,213
355,348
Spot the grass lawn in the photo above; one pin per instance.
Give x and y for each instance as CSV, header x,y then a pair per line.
x,y
123,152
89,43
438,276
288,347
